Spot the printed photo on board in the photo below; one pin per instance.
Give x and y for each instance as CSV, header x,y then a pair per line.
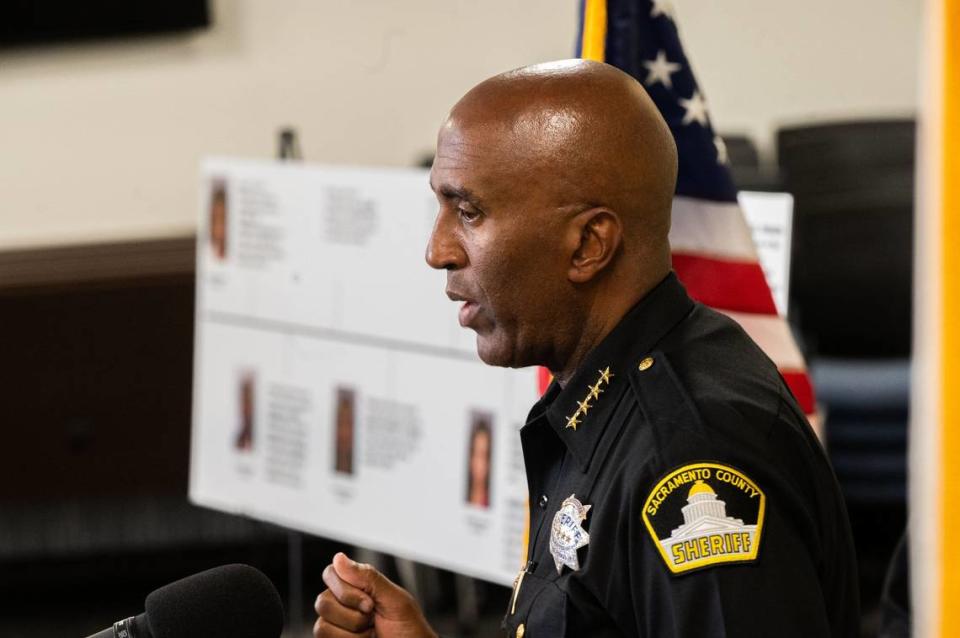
x,y
344,431
246,390
218,219
479,448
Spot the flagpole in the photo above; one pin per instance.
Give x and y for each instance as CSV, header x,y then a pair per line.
x,y
593,43
935,404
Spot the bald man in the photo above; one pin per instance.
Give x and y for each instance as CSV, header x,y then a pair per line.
x,y
675,487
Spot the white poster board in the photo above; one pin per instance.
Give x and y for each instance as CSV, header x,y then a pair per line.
x,y
334,390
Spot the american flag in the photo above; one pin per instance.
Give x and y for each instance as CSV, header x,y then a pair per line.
x,y
713,250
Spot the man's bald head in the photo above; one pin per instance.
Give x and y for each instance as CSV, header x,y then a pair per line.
x,y
587,123
555,184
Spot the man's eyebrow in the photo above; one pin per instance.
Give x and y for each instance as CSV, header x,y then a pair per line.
x,y
456,192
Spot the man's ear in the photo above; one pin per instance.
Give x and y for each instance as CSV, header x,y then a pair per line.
x,y
595,236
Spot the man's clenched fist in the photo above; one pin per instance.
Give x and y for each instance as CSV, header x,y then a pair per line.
x,y
360,601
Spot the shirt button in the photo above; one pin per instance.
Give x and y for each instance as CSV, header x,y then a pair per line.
x,y
521,630
542,503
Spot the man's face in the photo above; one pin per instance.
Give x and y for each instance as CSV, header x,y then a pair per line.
x,y
500,241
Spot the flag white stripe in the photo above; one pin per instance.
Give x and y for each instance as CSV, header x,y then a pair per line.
x,y
711,229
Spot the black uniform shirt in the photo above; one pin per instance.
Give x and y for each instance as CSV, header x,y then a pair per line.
x,y
683,491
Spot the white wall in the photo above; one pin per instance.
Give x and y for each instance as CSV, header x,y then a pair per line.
x,y
102,141
767,63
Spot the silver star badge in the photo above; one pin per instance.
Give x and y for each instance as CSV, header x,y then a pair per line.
x,y
567,534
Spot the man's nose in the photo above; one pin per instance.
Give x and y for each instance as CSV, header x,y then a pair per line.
x,y
444,251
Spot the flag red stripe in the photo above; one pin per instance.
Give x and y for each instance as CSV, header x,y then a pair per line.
x,y
725,285
799,383
543,379
738,287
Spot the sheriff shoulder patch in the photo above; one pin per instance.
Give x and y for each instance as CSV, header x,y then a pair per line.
x,y
705,514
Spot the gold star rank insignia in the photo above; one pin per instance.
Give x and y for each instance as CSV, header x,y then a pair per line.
x,y
605,375
593,394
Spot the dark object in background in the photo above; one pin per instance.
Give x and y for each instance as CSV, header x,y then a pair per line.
x,y
98,350
866,405
895,610
749,173
47,21
850,289
230,601
850,301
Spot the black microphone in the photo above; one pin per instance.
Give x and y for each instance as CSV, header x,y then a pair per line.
x,y
231,601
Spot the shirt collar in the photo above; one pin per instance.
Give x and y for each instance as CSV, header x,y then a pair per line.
x,y
580,411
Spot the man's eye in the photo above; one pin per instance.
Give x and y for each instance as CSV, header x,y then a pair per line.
x,y
468,214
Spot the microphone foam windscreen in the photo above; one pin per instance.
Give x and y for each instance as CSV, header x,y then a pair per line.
x,y
231,601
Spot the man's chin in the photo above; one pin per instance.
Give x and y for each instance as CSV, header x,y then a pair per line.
x,y
493,354
498,354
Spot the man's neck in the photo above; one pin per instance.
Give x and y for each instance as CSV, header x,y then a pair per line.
x,y
598,325
574,361
600,322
